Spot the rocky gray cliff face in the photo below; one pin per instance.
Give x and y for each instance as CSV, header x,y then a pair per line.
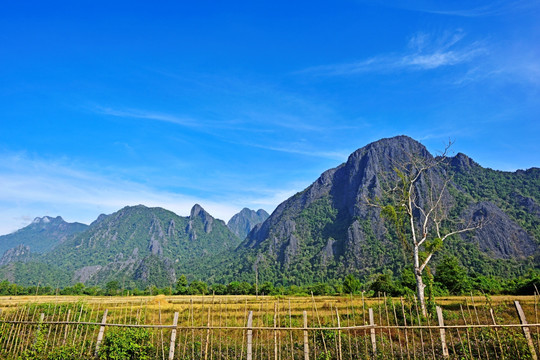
x,y
331,226
499,237
18,253
243,222
42,234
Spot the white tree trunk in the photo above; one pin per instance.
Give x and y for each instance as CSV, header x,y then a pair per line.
x,y
420,286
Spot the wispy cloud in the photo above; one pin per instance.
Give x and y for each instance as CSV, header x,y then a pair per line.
x,y
424,52
141,114
292,148
480,8
34,187
37,187
493,8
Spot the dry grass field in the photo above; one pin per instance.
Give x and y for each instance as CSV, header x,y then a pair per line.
x,y
214,327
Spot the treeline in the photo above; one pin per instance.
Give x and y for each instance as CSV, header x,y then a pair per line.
x,y
450,279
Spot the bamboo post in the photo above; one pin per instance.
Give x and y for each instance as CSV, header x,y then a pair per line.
x,y
405,330
220,314
86,333
461,342
207,337
526,331
496,332
25,341
17,330
306,341
442,331
536,317
275,333
412,329
161,334
366,350
243,336
77,327
420,330
101,331
339,334
41,319
290,332
332,316
15,338
479,356
173,337
66,328
51,326
388,324
192,328
349,334
399,336
14,329
314,334
479,323
249,336
372,331
319,321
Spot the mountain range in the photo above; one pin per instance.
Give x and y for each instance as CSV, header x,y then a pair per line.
x,y
322,233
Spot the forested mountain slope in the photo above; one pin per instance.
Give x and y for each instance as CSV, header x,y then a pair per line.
x,y
330,229
137,246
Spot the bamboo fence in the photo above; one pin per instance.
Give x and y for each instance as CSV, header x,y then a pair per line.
x,y
275,328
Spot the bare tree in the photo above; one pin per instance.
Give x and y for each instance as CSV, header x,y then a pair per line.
x,y
417,203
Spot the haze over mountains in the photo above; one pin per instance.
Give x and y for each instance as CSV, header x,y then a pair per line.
x,y
321,233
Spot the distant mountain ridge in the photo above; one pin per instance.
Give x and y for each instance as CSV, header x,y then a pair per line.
x,y
322,233
41,235
243,222
136,245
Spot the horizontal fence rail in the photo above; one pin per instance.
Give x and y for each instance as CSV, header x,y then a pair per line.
x,y
270,328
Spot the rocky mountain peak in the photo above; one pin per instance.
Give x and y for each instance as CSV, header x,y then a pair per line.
x,y
462,162
333,219
47,219
198,212
243,222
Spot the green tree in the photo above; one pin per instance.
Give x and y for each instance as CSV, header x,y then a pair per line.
x,y
351,285
111,288
384,283
181,285
452,276
198,287
267,288
233,288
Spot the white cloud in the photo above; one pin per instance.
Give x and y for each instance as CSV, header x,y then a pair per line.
x,y
425,52
32,188
292,148
141,114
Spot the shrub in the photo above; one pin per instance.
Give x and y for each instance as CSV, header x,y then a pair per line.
x,y
126,343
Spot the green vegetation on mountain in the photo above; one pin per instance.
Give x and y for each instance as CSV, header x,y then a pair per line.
x,y
135,246
314,240
330,230
41,235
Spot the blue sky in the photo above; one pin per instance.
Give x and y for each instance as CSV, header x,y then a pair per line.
x,y
243,103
